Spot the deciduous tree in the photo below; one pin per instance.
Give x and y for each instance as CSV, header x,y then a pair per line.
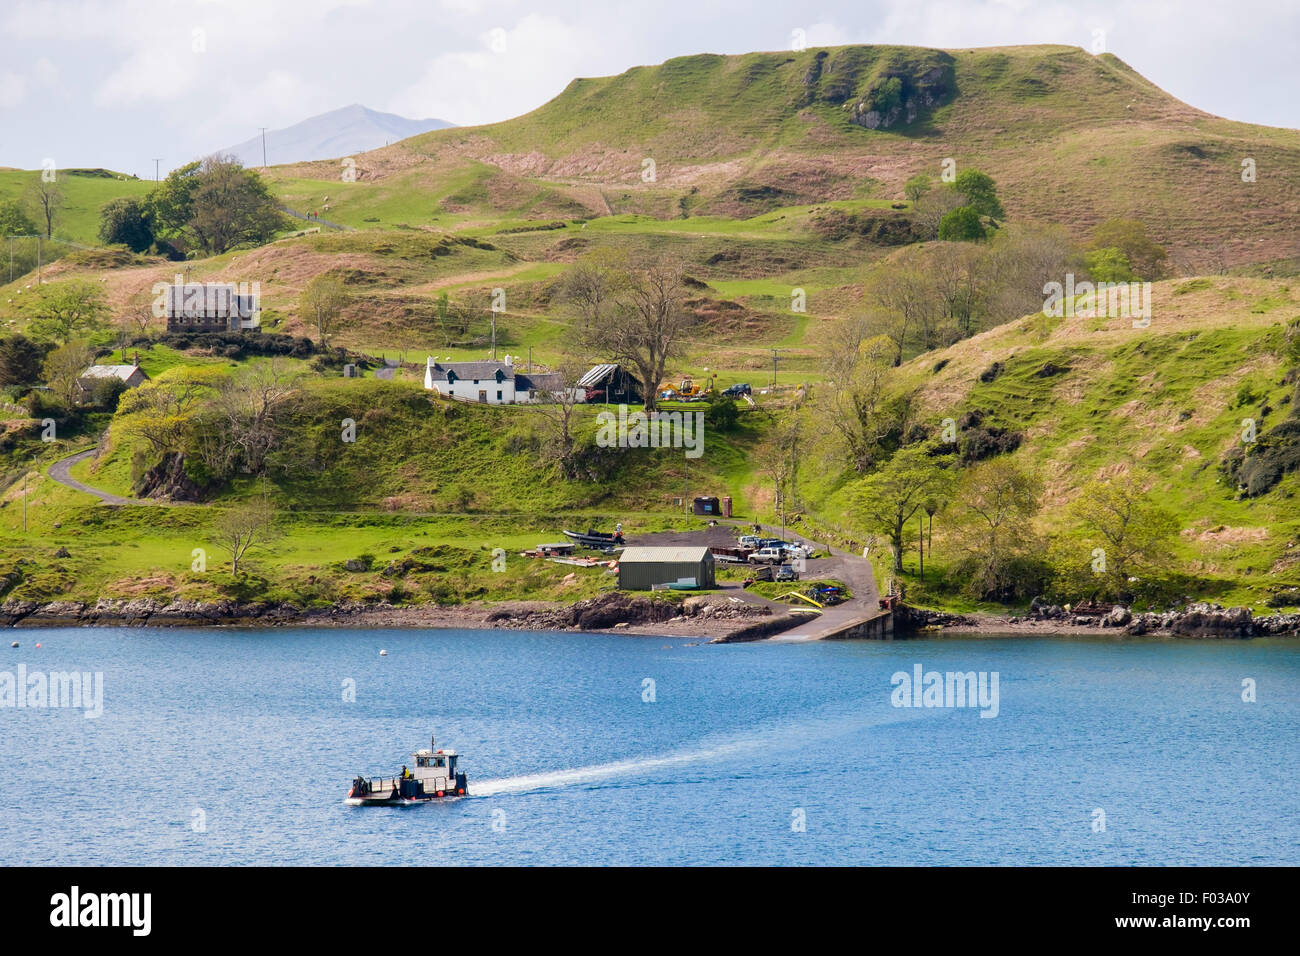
x,y
62,311
243,527
886,500
64,368
993,509
646,325
322,302
1123,518
46,199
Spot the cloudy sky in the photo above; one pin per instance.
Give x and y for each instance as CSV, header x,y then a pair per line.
x,y
116,83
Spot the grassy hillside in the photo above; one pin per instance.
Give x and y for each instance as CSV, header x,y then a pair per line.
x,y
429,485
1093,398
774,173
1070,137
85,191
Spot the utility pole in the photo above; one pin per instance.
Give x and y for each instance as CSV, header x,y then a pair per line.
x,y
774,368
494,335
38,260
920,534
263,129
156,161
11,258
530,358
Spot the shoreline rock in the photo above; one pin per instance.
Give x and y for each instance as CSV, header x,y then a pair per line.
x,y
702,615
1197,621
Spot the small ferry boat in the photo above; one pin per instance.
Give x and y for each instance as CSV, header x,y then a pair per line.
x,y
435,776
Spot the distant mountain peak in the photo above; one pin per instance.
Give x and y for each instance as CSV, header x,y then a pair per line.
x,y
348,130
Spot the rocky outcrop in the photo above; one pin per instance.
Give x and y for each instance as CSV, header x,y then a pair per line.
x,y
1211,620
167,480
1195,620
908,618
139,612
899,98
618,607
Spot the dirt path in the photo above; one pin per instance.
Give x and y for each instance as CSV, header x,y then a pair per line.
x,y
60,472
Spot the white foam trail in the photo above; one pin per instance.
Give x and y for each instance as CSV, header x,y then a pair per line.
x,y
604,771
797,733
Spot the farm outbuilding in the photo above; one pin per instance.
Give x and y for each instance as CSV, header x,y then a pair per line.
x,y
707,505
640,569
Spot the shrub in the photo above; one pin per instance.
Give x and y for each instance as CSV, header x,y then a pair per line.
x,y
961,225
722,414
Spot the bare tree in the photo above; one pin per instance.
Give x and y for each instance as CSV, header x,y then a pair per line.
x,y
858,371
592,284
778,458
904,288
243,527
646,325
1024,259
959,273
323,301
46,198
928,211
558,408
245,408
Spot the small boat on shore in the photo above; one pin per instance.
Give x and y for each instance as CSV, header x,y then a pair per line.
x,y
596,539
435,777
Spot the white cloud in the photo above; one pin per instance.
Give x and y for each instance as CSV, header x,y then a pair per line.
x,y
45,73
514,71
12,89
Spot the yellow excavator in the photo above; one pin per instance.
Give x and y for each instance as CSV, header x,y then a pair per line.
x,y
687,389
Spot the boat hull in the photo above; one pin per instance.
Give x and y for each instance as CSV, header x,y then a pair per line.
x,y
407,794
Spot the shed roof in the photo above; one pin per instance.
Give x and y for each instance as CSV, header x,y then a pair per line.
x,y
595,374
123,372
540,381
677,555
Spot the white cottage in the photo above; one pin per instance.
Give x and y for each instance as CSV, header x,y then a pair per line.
x,y
490,382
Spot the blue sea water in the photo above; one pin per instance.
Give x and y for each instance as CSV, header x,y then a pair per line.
x,y
237,747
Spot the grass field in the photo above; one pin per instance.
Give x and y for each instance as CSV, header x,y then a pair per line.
x,y
84,194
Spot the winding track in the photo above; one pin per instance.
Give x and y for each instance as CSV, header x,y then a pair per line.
x,y
59,471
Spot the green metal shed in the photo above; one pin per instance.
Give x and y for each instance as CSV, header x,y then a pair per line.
x,y
640,569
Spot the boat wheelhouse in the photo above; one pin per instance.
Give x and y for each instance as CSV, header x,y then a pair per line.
x,y
435,776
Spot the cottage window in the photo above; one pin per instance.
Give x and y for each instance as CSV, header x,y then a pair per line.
x,y
498,394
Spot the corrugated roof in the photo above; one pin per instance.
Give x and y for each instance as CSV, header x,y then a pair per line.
x,y
111,371
675,555
594,375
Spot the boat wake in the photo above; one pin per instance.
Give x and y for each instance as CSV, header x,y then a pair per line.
x,y
794,734
604,771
